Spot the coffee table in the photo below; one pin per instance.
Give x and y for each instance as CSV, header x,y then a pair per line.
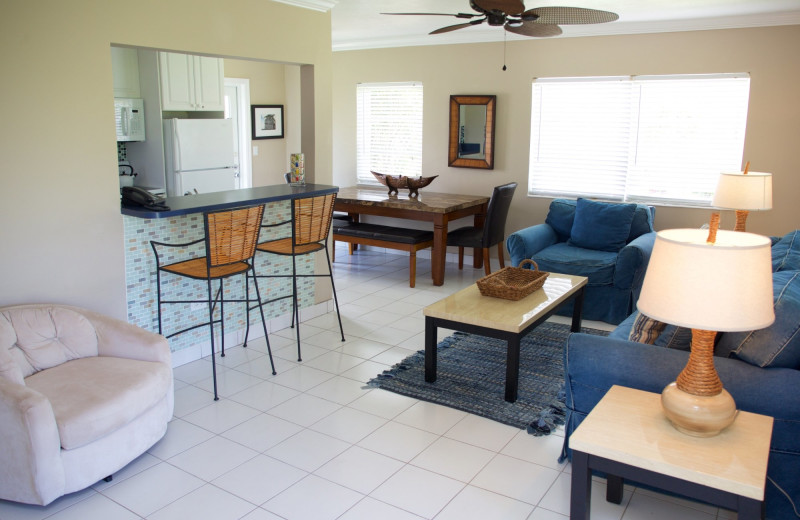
x,y
627,436
469,311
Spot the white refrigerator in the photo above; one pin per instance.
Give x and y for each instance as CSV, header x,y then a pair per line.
x,y
199,156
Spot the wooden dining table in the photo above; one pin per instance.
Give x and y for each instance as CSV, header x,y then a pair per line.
x,y
439,208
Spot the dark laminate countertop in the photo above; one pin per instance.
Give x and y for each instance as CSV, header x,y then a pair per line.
x,y
230,199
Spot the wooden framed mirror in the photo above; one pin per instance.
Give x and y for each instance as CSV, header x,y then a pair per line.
x,y
472,132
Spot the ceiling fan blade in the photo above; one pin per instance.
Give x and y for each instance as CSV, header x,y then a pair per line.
x,y
570,15
536,30
459,15
511,7
457,26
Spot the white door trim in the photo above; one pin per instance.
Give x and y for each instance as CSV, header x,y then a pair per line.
x,y
242,86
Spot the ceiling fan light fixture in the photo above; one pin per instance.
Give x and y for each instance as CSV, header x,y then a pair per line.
x,y
540,22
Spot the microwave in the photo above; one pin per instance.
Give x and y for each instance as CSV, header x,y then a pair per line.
x,y
129,118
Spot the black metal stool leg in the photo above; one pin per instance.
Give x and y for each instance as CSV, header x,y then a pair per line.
x,y
211,326
221,295
158,292
263,322
296,310
247,307
333,286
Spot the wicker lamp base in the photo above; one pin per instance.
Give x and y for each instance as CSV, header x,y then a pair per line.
x,y
696,403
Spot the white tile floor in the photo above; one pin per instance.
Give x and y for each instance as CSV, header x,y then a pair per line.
x,y
313,443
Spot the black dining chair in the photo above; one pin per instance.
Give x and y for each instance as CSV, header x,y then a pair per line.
x,y
492,232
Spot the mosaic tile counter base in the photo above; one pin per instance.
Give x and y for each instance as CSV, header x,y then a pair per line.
x,y
140,278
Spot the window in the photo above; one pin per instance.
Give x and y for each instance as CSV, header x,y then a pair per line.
x,y
389,130
657,139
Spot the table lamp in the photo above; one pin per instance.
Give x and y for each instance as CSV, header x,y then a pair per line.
x,y
743,191
710,281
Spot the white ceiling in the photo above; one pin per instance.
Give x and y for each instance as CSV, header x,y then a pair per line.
x,y
358,24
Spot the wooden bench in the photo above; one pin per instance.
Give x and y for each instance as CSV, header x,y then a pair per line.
x,y
411,240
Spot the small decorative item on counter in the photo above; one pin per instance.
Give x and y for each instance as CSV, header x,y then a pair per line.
x,y
297,169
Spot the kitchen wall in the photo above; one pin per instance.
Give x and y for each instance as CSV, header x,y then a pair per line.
x,y
271,84
62,232
773,131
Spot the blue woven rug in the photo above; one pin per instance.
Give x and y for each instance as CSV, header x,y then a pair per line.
x,y
471,376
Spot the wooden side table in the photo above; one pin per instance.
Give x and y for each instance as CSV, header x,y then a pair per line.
x,y
627,436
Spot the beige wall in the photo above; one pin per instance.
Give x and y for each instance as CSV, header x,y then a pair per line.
x,y
62,236
267,87
768,54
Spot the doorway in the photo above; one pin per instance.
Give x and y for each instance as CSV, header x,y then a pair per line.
x,y
237,108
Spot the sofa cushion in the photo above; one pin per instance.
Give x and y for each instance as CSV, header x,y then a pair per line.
x,y
642,222
779,344
601,226
49,336
598,266
560,217
786,253
679,338
9,368
94,396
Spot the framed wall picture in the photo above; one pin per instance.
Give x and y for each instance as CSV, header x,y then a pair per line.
x,y
267,121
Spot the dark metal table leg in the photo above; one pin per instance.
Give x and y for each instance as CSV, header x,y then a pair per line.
x,y
614,489
430,349
750,509
512,368
577,311
581,492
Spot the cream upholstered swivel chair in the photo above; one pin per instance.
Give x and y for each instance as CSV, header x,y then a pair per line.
x,y
81,396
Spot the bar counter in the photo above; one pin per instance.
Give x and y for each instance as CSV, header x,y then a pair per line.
x,y
183,223
230,199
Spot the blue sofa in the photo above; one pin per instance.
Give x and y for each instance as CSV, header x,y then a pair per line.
x,y
761,370
608,243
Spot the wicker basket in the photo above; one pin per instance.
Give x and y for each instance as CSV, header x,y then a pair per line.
x,y
513,283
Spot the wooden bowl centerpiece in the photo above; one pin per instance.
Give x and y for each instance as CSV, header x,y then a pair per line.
x,y
395,182
415,183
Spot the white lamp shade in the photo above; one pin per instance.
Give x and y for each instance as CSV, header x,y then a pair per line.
x,y
725,286
751,191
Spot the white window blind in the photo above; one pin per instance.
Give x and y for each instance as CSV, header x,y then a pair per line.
x,y
389,130
661,139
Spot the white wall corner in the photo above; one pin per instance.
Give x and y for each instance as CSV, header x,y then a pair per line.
x,y
316,5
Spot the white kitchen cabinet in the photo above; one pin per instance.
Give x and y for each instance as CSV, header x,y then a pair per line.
x,y
191,83
125,70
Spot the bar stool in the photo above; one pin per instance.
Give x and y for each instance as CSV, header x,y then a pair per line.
x,y
230,240
310,225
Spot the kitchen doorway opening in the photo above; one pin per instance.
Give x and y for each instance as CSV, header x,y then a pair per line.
x,y
237,108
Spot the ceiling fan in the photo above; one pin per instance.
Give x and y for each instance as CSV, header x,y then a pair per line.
x,y
538,22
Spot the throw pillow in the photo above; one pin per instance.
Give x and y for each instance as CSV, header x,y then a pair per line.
x,y
645,329
601,226
679,338
786,253
779,344
659,334
560,217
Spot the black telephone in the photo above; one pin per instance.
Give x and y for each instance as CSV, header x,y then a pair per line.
x,y
135,196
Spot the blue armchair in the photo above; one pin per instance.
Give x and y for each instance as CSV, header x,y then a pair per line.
x,y
608,243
